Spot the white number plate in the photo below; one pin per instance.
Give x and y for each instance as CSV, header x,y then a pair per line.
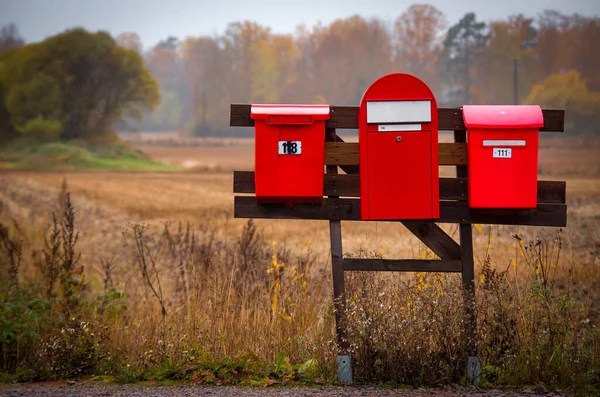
x,y
502,153
290,147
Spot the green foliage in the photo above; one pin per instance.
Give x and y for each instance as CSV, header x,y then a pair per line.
x,y
22,318
111,303
78,155
77,82
41,130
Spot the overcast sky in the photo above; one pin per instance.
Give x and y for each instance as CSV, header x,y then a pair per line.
x,y
154,20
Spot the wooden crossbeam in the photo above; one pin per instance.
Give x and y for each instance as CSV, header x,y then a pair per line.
x,y
549,192
402,265
346,153
347,117
347,209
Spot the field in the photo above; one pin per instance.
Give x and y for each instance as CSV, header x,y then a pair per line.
x,y
203,195
238,286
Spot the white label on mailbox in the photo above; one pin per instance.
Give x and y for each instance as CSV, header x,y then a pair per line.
x,y
290,147
502,153
398,112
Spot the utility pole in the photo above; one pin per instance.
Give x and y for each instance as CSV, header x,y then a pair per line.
x,y
515,81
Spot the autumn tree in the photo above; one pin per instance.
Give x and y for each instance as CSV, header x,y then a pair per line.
x,y
78,83
164,62
569,42
206,71
510,53
568,91
419,33
347,56
463,47
130,41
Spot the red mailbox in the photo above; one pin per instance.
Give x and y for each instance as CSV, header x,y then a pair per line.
x,y
289,152
503,155
398,145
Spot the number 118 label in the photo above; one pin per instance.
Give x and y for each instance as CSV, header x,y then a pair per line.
x,y
290,147
504,153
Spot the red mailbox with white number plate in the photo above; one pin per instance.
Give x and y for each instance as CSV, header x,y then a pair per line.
x,y
502,145
398,145
289,152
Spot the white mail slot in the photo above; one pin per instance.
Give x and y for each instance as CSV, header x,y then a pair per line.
x,y
398,111
398,127
504,142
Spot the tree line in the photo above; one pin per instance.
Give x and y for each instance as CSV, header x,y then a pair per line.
x,y
551,60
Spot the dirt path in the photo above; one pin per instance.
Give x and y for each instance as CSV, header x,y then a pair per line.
x,y
78,390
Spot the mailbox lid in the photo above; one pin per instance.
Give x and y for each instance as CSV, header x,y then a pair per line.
x,y
302,114
503,116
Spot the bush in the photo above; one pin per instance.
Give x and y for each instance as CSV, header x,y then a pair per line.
x,y
42,130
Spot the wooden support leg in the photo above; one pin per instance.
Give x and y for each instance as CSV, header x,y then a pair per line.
x,y
468,280
339,295
344,364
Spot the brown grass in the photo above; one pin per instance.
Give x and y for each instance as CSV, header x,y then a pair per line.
x,y
222,297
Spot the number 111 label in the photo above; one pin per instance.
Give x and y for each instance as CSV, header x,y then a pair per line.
x,y
290,147
502,153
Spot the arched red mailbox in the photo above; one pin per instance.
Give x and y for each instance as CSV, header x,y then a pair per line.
x,y
398,140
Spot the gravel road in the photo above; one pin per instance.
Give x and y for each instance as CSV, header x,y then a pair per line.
x,y
84,390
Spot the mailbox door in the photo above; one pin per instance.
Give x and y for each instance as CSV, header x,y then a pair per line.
x,y
289,152
503,154
399,167
503,168
290,175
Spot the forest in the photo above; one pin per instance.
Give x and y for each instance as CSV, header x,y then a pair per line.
x,y
472,61
550,59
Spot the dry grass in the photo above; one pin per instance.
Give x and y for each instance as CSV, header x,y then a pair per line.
x,y
231,296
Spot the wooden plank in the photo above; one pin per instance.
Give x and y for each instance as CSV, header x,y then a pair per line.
x,y
347,117
346,153
402,265
543,215
451,212
460,138
552,192
452,153
435,238
341,153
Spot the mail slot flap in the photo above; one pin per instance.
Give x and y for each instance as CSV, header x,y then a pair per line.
x,y
398,112
290,114
500,116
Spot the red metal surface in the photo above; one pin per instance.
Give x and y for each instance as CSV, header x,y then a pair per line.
x,y
503,182
289,178
500,116
399,177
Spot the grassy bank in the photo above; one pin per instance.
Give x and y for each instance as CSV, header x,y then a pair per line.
x,y
77,155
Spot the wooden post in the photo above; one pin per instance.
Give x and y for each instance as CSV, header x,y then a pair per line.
x,y
468,280
344,363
